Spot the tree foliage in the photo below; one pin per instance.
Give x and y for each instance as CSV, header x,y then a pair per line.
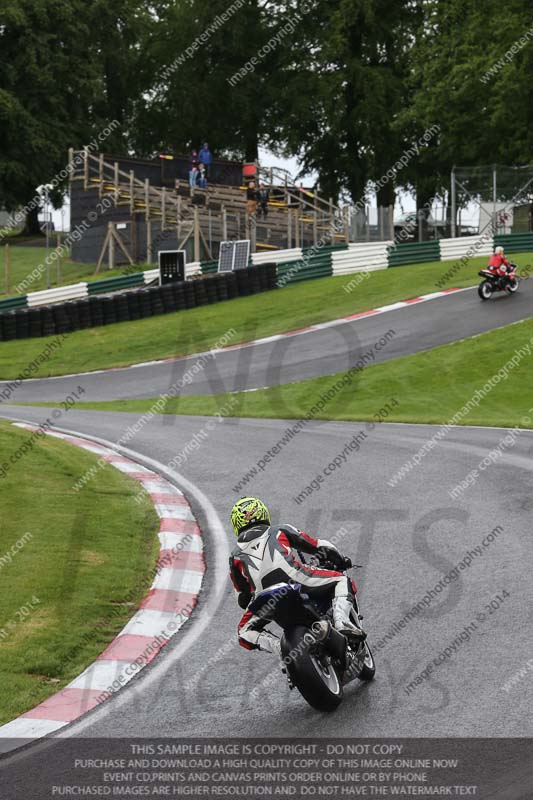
x,y
346,86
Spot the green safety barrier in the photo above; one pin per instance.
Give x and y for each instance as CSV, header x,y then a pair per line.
x,y
19,301
514,242
114,284
306,268
209,266
413,253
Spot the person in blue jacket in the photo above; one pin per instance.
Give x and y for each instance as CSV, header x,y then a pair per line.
x,y
206,158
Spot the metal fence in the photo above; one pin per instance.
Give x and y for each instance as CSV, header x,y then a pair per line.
x,y
503,195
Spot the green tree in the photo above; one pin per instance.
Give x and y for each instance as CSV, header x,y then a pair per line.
x,y
206,86
345,86
67,69
484,109
45,90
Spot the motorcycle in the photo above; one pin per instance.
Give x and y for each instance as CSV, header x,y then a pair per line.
x,y
492,283
318,660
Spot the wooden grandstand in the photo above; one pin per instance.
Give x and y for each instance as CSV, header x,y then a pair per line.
x,y
126,216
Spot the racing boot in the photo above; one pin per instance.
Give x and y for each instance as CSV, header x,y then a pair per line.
x,y
342,607
269,643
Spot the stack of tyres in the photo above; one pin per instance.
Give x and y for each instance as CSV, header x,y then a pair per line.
x,y
134,305
9,327
121,307
190,295
261,273
178,290
47,317
243,282
168,297
211,289
271,272
84,314
253,278
145,306
221,285
73,315
232,288
96,311
108,309
156,301
22,323
200,293
61,321
99,310
36,326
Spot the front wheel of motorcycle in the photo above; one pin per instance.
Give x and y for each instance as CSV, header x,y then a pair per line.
x,y
484,290
512,286
311,670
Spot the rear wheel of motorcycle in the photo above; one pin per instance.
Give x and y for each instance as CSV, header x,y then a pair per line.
x,y
369,667
484,290
512,286
314,676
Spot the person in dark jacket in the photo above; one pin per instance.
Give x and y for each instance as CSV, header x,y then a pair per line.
x,y
202,176
194,161
263,195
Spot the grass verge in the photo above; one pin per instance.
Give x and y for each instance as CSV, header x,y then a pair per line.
x,y
199,329
25,259
73,565
428,387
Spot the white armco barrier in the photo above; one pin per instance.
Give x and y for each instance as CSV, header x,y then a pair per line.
x,y
151,275
193,268
466,247
72,292
278,256
361,257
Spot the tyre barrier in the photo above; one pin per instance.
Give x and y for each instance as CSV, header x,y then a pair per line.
x,y
133,304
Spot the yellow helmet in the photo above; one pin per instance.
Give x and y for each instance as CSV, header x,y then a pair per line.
x,y
248,511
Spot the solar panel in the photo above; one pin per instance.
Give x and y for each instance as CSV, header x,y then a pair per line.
x,y
233,255
242,254
225,256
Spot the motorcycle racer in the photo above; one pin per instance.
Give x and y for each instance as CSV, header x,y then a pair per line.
x,y
267,554
499,264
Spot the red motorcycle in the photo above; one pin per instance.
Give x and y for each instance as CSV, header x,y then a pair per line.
x,y
492,282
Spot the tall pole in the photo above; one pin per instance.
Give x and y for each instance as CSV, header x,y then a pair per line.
x,y
8,267
149,254
46,222
196,234
494,196
224,224
454,205
58,260
111,251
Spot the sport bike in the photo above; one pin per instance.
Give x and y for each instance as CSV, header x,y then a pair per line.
x,y
318,660
492,283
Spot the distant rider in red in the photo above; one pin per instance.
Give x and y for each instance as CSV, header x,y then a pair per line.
x,y
499,264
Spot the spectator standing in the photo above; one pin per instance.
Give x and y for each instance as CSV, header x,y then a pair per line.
x,y
193,160
193,177
251,199
202,176
206,158
263,195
